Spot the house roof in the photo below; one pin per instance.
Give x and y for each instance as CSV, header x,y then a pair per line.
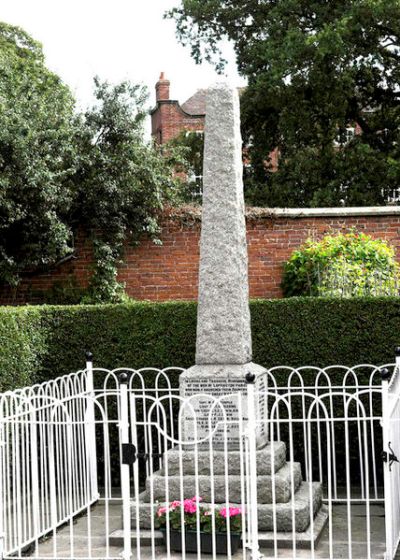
x,y
196,105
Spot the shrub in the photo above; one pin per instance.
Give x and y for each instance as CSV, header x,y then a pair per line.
x,y
22,346
38,343
344,265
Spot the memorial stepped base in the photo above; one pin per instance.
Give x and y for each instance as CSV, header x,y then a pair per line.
x,y
188,462
283,539
284,481
272,466
284,515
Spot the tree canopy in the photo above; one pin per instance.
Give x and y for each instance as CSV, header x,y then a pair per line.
x,y
316,70
61,169
36,157
122,181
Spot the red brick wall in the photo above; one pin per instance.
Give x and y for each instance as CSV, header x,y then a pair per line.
x,y
170,271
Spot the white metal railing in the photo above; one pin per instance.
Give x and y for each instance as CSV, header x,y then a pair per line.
x,y
391,453
60,441
44,477
330,426
64,447
347,397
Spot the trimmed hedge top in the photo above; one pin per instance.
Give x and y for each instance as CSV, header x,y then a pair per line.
x,y
38,343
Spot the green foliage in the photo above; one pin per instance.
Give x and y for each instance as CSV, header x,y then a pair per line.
x,y
191,145
39,343
36,157
313,68
122,181
60,169
351,264
22,346
194,511
140,334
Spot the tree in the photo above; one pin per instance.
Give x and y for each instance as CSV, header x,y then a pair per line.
x,y
191,147
314,69
122,181
61,170
36,157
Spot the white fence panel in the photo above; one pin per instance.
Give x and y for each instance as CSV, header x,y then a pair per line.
x,y
391,452
309,446
44,467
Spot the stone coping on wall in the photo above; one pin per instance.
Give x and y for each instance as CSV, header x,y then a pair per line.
x,y
194,212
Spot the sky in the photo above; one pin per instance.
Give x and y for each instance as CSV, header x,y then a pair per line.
x,y
116,40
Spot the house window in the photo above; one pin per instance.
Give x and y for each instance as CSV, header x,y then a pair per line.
x,y
349,134
345,136
195,184
197,132
393,197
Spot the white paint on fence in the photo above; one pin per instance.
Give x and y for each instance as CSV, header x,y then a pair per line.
x,y
324,434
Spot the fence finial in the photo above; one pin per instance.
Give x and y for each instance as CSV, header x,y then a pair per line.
x,y
123,378
89,356
250,377
397,351
385,374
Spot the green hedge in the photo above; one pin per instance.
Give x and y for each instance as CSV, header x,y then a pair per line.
x,y
22,346
37,343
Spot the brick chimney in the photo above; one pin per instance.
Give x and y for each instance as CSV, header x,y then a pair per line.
x,y
162,88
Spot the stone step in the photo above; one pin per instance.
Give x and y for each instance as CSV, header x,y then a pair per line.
x,y
184,461
284,511
282,484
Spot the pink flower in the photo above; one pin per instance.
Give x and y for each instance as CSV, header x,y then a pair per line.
x,y
189,506
208,513
197,499
230,512
161,511
173,505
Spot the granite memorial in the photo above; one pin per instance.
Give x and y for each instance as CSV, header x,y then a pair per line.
x,y
223,345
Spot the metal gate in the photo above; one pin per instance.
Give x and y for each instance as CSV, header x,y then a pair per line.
x,y
187,471
56,441
102,461
390,454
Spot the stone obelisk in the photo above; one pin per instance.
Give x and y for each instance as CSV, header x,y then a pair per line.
x,y
223,358
223,346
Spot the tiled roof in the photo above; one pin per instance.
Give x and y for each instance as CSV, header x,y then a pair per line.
x,y
196,105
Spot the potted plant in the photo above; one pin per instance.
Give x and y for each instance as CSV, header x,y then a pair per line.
x,y
190,515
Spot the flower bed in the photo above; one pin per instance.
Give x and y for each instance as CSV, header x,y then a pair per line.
x,y
190,523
